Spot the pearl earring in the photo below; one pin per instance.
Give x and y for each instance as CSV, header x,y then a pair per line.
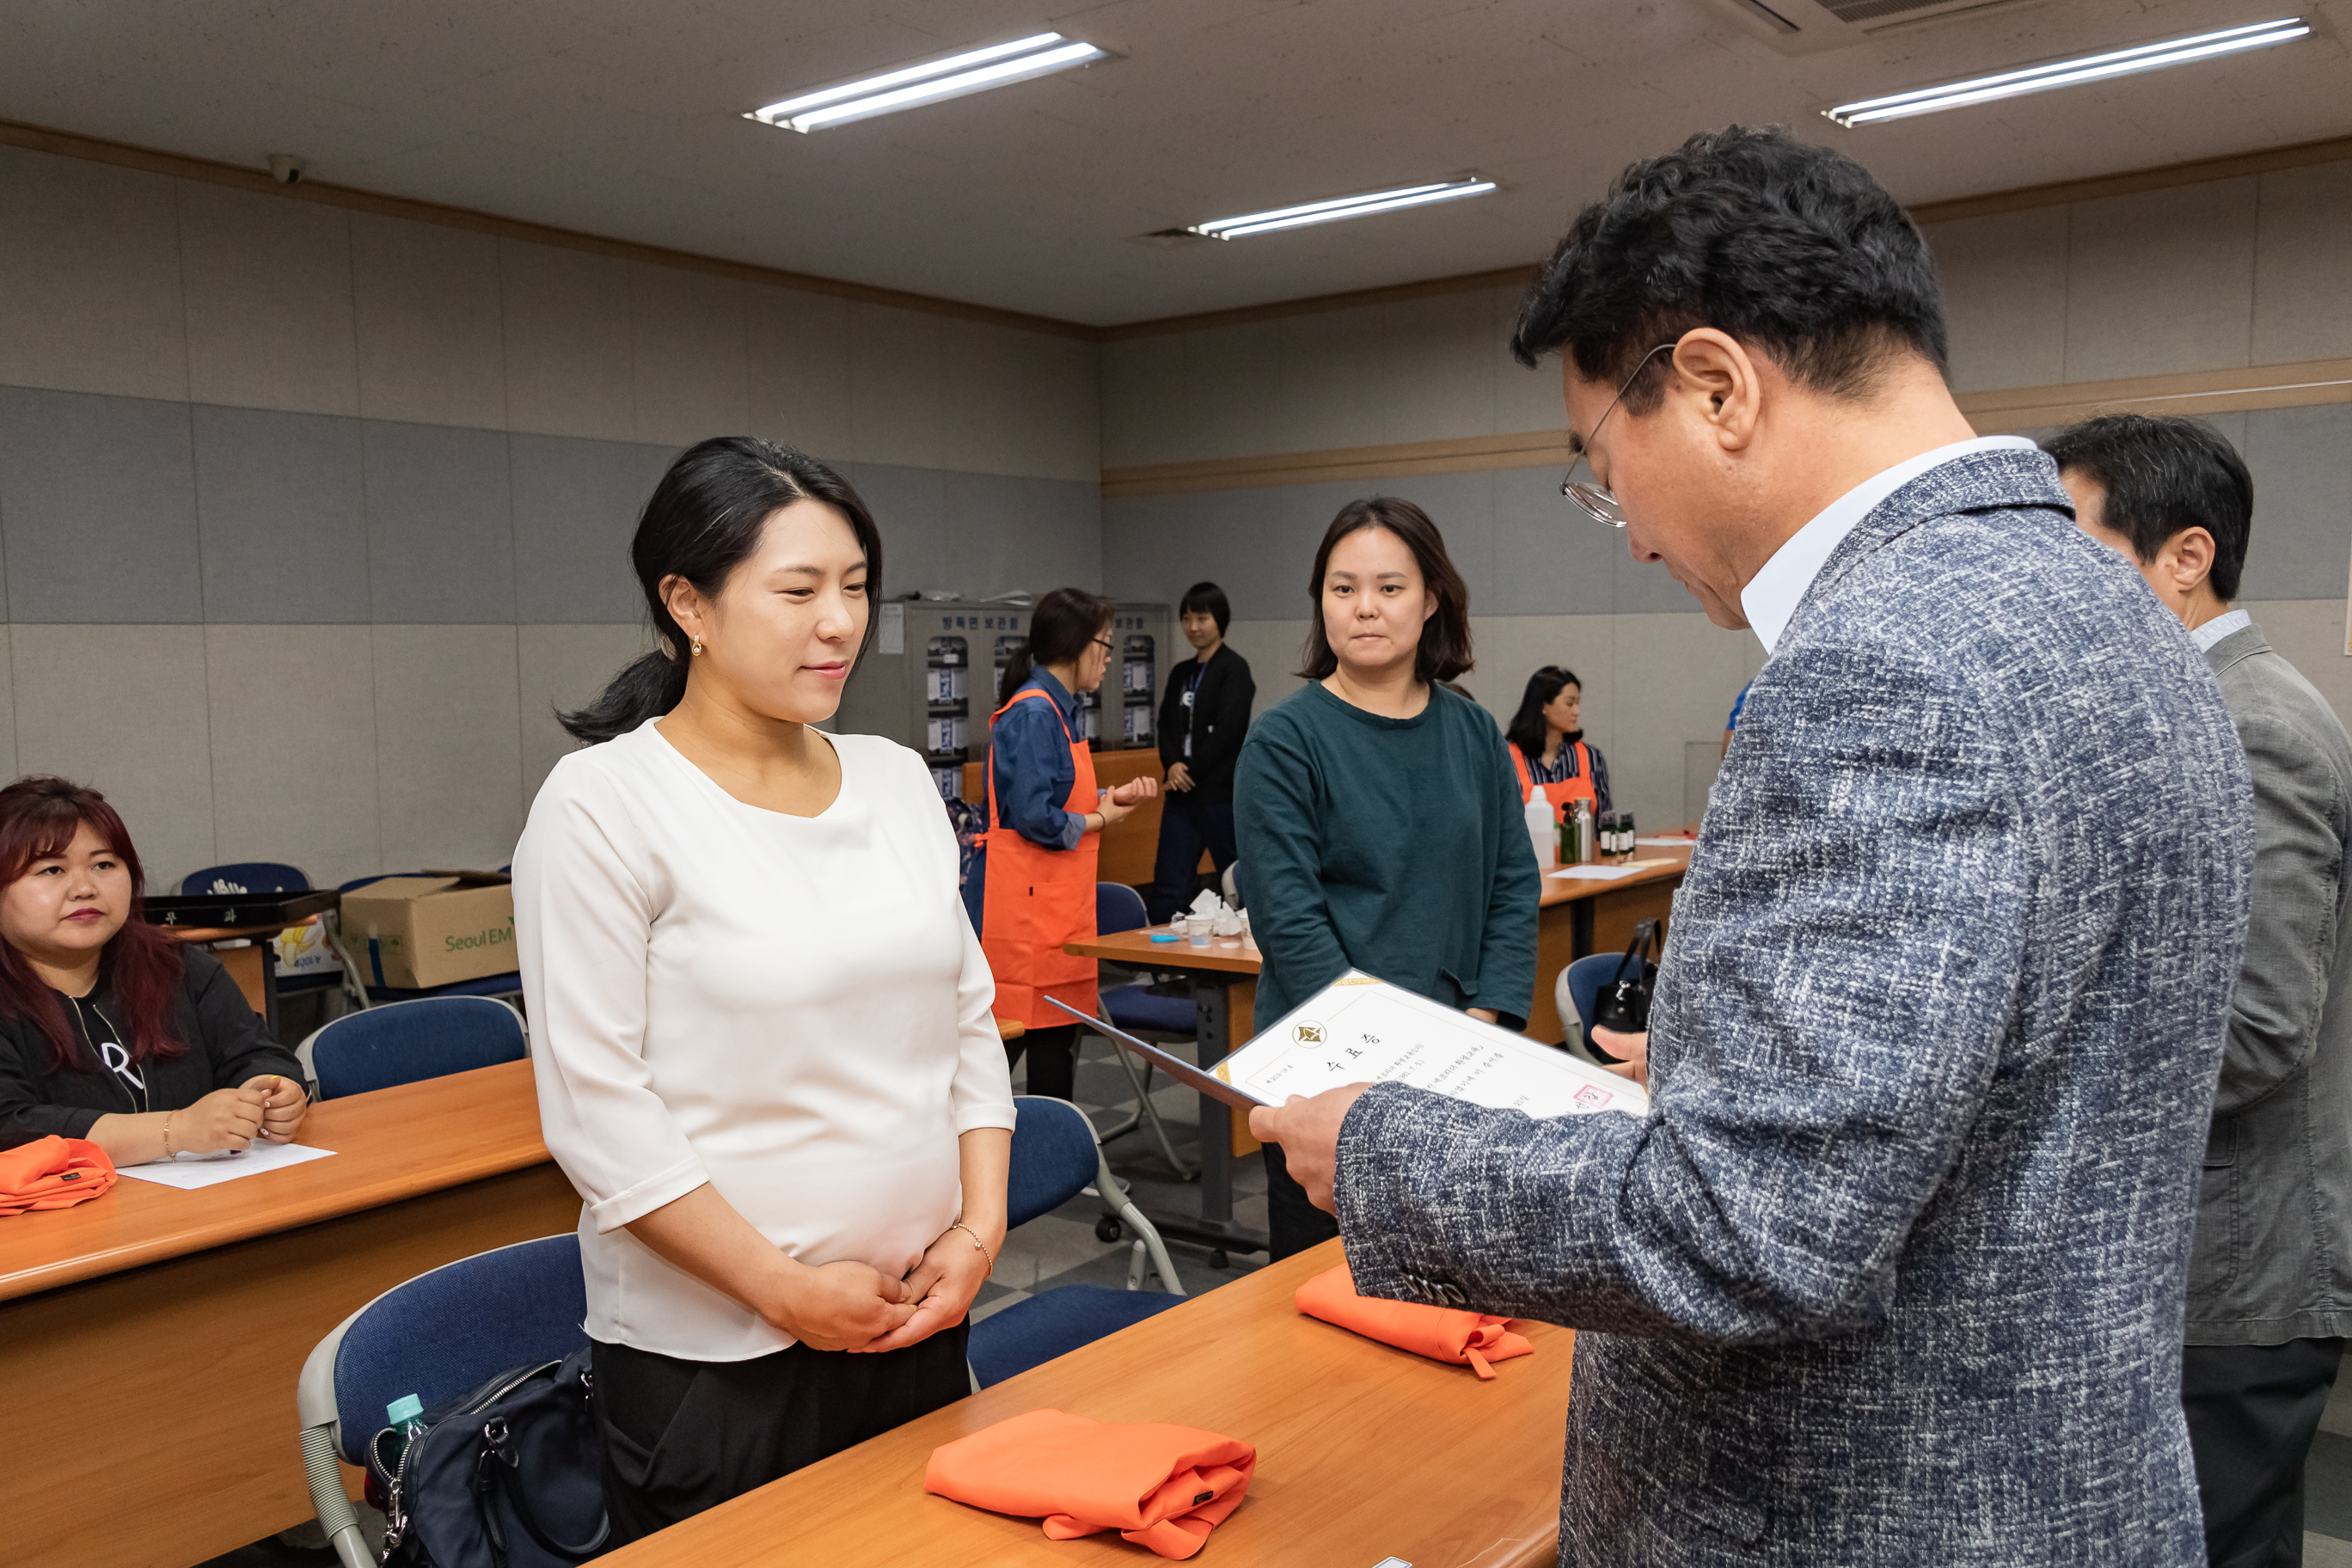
x,y
698,647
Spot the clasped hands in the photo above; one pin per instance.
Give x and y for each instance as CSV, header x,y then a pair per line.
x,y
268,1107
855,1307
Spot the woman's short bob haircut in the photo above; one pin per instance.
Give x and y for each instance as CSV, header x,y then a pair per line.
x,y
1444,649
1207,599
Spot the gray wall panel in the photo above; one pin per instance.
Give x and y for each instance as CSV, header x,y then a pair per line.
x,y
440,525
2302,540
281,512
1549,558
576,504
98,497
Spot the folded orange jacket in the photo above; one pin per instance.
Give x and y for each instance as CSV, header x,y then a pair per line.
x,y
53,1173
1160,1486
1440,1333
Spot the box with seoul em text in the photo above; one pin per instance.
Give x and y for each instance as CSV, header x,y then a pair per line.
x,y
411,932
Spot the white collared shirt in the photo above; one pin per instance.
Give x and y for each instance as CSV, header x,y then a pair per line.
x,y
1772,595
2220,626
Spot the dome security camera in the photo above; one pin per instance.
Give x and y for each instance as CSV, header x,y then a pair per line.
x,y
287,169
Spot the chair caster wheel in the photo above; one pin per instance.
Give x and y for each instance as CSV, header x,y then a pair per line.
x,y
1105,1229
1217,1259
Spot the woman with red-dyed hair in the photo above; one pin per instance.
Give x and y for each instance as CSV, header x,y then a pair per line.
x,y
109,1029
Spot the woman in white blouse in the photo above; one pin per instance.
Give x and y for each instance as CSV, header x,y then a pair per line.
x,y
763,1046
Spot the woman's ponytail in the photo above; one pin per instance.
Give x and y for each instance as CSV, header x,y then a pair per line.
x,y
1016,675
701,522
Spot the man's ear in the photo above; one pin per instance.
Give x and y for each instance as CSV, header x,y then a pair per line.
x,y
2187,557
1721,383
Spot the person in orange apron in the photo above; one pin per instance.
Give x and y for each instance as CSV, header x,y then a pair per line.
x,y
1044,810
1549,748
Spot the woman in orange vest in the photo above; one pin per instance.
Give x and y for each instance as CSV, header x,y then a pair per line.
x,y
1044,810
1549,748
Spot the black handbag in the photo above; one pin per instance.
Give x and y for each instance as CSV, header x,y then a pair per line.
x,y
507,1477
1623,1004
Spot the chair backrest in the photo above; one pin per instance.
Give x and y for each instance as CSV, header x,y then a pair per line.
x,y
401,1042
1584,979
1053,1157
244,876
1238,888
1119,907
445,1333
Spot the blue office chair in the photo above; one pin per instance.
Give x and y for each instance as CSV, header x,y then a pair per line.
x,y
437,1336
403,1042
370,977
1054,1157
1163,1020
1576,991
244,876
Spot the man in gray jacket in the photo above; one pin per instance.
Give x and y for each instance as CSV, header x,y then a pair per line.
x,y
2269,1283
1891,1270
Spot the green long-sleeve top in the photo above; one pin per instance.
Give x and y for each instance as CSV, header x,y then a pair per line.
x,y
1398,847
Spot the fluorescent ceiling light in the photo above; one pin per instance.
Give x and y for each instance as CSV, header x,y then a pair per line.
x,y
974,70
1345,207
2068,73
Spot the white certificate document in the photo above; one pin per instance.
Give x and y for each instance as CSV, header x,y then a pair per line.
x,y
1360,1029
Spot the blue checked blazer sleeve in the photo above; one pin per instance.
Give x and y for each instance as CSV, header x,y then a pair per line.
x,y
1827,1021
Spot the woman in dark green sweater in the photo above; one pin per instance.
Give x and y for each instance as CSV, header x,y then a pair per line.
x,y
1378,818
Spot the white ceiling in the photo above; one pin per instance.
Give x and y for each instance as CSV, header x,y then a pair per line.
x,y
625,120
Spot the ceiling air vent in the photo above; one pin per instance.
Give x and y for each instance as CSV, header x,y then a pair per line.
x,y
1809,26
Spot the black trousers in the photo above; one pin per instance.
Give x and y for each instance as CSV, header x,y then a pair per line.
x,y
684,1436
1187,826
2252,1411
1053,1060
1293,1224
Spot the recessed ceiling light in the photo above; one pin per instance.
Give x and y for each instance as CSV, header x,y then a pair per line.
x,y
2069,73
973,70
1344,206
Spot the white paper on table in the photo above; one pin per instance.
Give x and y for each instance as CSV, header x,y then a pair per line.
x,y
189,1171
1665,843
1359,1028
1596,873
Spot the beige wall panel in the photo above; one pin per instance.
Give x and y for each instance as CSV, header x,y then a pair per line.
x,y
1271,649
1334,391
123,709
449,745
2163,281
689,348
426,303
2303,265
1524,399
983,399
897,414
1143,401
2309,635
90,279
1439,354
8,769
798,346
1234,402
565,322
1512,647
294,748
268,289
561,668
1675,678
1063,382
2004,279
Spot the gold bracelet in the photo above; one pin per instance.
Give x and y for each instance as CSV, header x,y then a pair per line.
x,y
167,1135
977,1242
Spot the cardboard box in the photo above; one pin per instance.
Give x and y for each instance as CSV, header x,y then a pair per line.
x,y
412,933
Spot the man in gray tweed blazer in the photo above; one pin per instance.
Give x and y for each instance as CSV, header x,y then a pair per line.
x,y
2270,1280
1892,1271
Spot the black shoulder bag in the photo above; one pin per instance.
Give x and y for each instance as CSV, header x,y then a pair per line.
x,y
1623,1004
507,1477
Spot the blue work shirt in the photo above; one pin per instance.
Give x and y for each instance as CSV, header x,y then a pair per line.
x,y
1029,754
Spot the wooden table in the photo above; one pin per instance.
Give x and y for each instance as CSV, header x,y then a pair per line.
x,y
156,1334
1578,918
1364,1452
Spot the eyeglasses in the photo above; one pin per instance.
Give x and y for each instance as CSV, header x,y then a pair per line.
x,y
1104,643
1590,493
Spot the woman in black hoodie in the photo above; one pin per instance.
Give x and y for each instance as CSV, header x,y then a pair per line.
x,y
110,1030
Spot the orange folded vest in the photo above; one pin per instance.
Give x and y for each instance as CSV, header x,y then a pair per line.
x,y
52,1173
1160,1486
1440,1333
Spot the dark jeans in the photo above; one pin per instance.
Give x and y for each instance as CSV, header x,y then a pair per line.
x,y
1053,1059
1187,826
2252,1411
684,1436
1293,1224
